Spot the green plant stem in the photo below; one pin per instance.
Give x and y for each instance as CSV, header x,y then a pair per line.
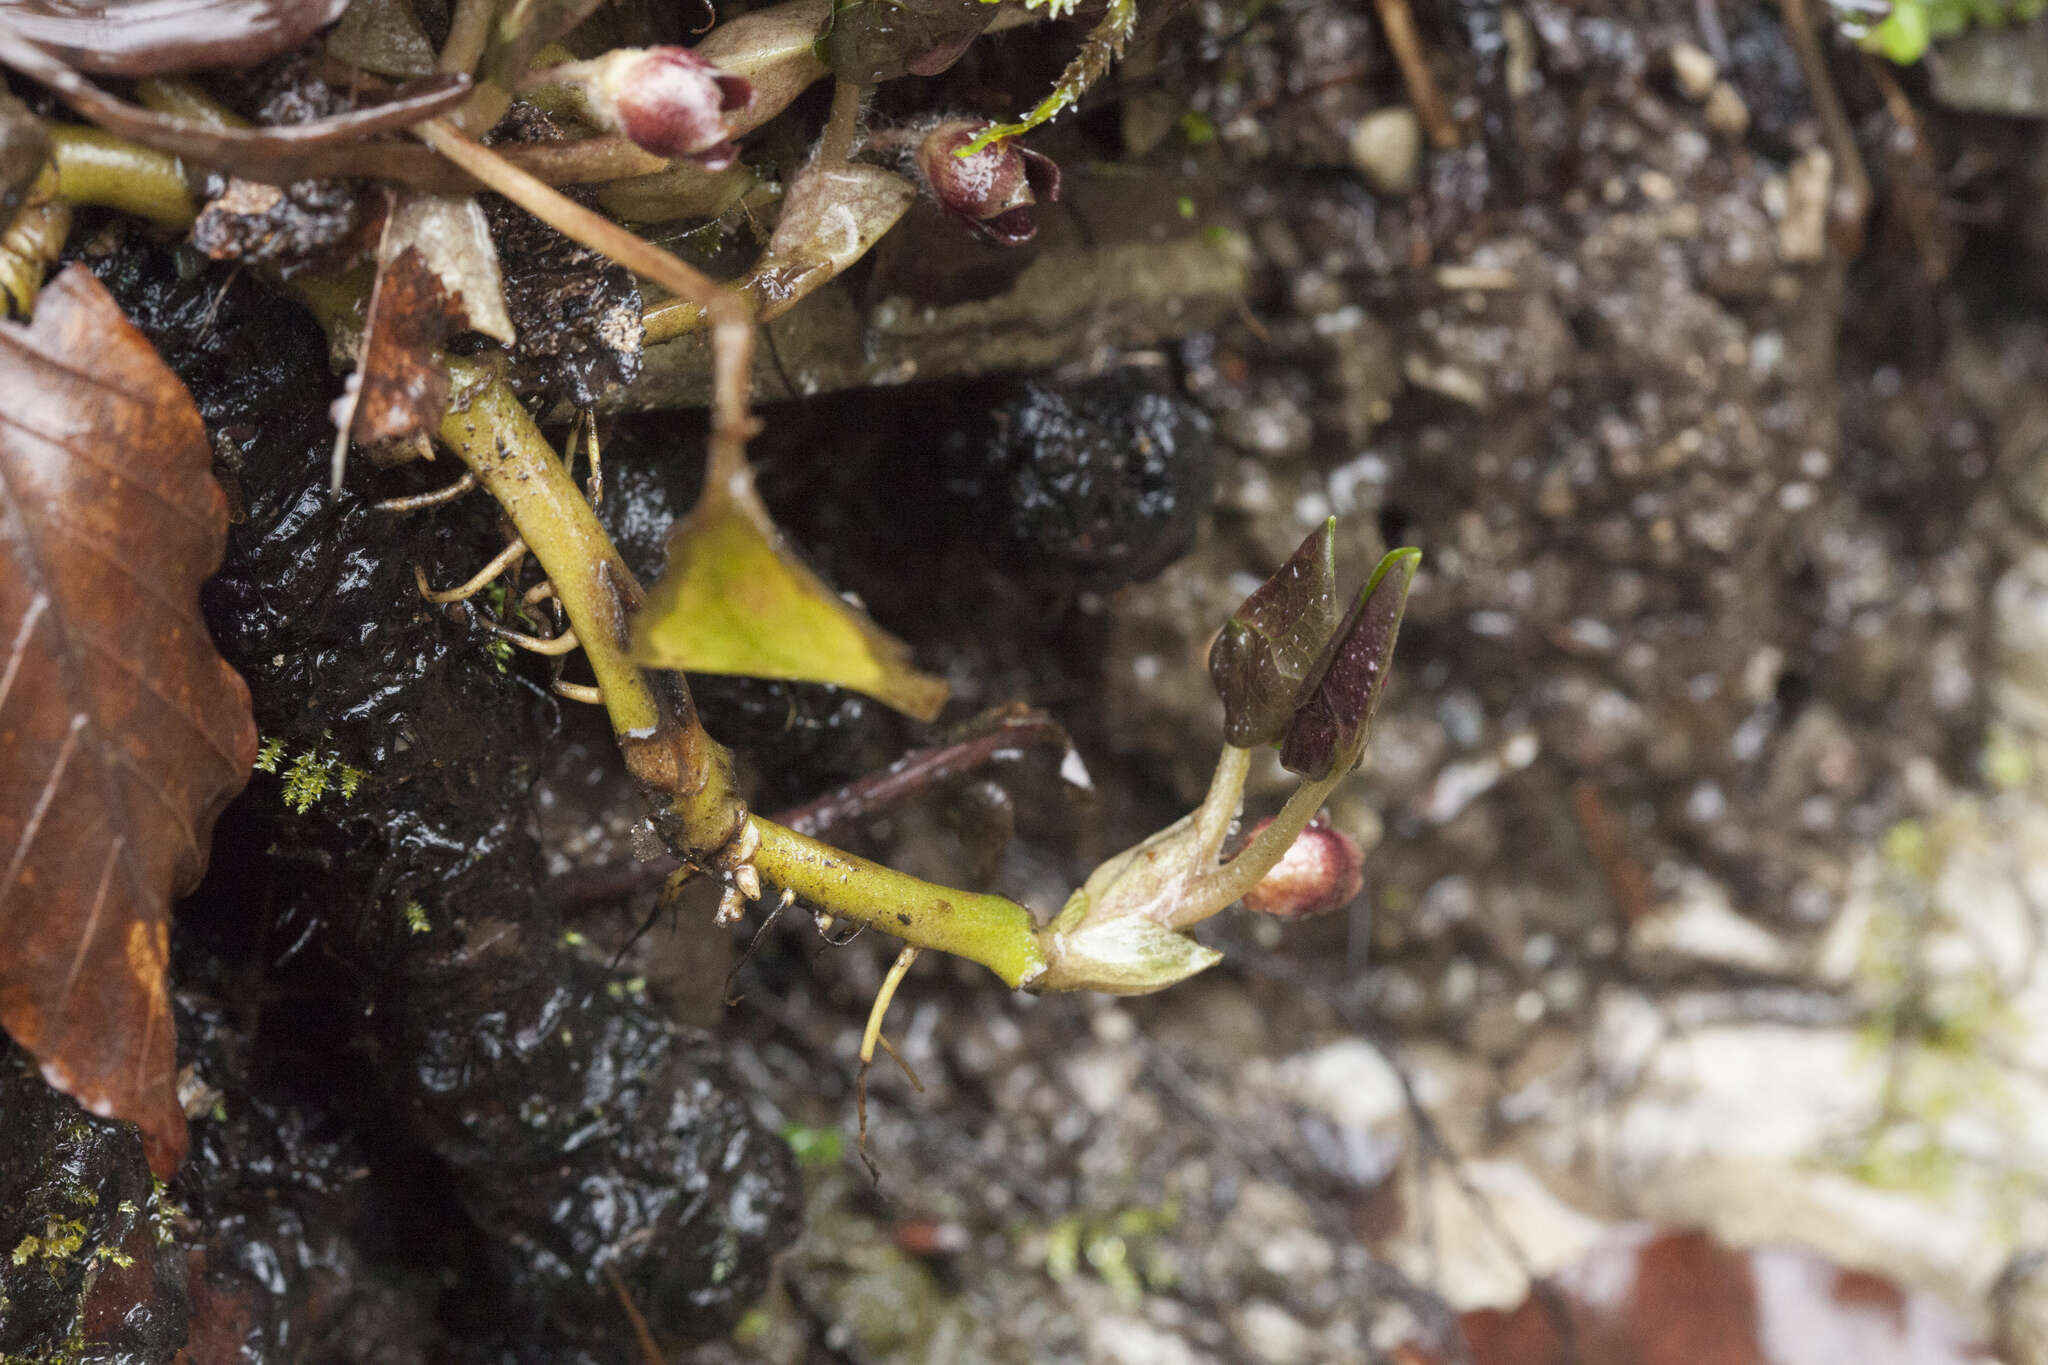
x,y
657,728
95,167
1228,884
665,746
992,930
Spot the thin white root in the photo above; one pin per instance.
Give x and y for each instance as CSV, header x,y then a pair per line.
x,y
873,1035
465,484
505,559
560,644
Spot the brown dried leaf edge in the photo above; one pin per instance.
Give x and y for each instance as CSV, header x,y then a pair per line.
x,y
122,732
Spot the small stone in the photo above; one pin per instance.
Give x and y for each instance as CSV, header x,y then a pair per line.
x,y
1386,147
1273,1335
1727,114
1693,70
1802,232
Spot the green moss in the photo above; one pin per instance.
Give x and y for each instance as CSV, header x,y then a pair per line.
x,y
1122,1249
814,1147
62,1239
311,775
415,916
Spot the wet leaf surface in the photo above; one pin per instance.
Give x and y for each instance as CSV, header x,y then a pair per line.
x,y
1264,657
160,37
735,601
125,733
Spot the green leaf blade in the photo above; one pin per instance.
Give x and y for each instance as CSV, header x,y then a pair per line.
x,y
735,601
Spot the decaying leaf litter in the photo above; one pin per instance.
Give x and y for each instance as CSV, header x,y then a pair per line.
x,y
1432,365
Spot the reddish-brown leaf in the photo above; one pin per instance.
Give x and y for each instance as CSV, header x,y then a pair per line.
x,y
1645,1297
122,732
400,388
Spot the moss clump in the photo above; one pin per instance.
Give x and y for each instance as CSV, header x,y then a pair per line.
x,y
311,775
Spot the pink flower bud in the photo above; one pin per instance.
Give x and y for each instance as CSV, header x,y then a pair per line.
x,y
1323,870
666,100
992,192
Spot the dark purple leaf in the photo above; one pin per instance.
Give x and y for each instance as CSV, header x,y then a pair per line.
x,y
1329,730
1262,663
162,37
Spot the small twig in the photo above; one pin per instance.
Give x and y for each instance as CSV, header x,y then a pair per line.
x,y
920,770
505,559
869,1037
1398,22
594,486
1851,200
787,899
419,501
648,1346
1913,181
1628,886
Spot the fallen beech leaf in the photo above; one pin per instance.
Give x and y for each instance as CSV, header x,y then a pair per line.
x,y
124,732
1644,1297
161,37
735,601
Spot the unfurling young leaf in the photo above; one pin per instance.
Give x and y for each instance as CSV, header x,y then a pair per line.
x,y
1261,664
734,600
1330,728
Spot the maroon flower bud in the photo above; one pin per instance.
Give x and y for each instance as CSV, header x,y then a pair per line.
x,y
666,100
1324,870
990,193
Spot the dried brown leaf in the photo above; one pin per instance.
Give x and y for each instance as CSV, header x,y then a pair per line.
x,y
123,732
400,388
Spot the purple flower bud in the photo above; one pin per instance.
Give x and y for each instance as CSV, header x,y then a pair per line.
x,y
992,192
1323,870
666,100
